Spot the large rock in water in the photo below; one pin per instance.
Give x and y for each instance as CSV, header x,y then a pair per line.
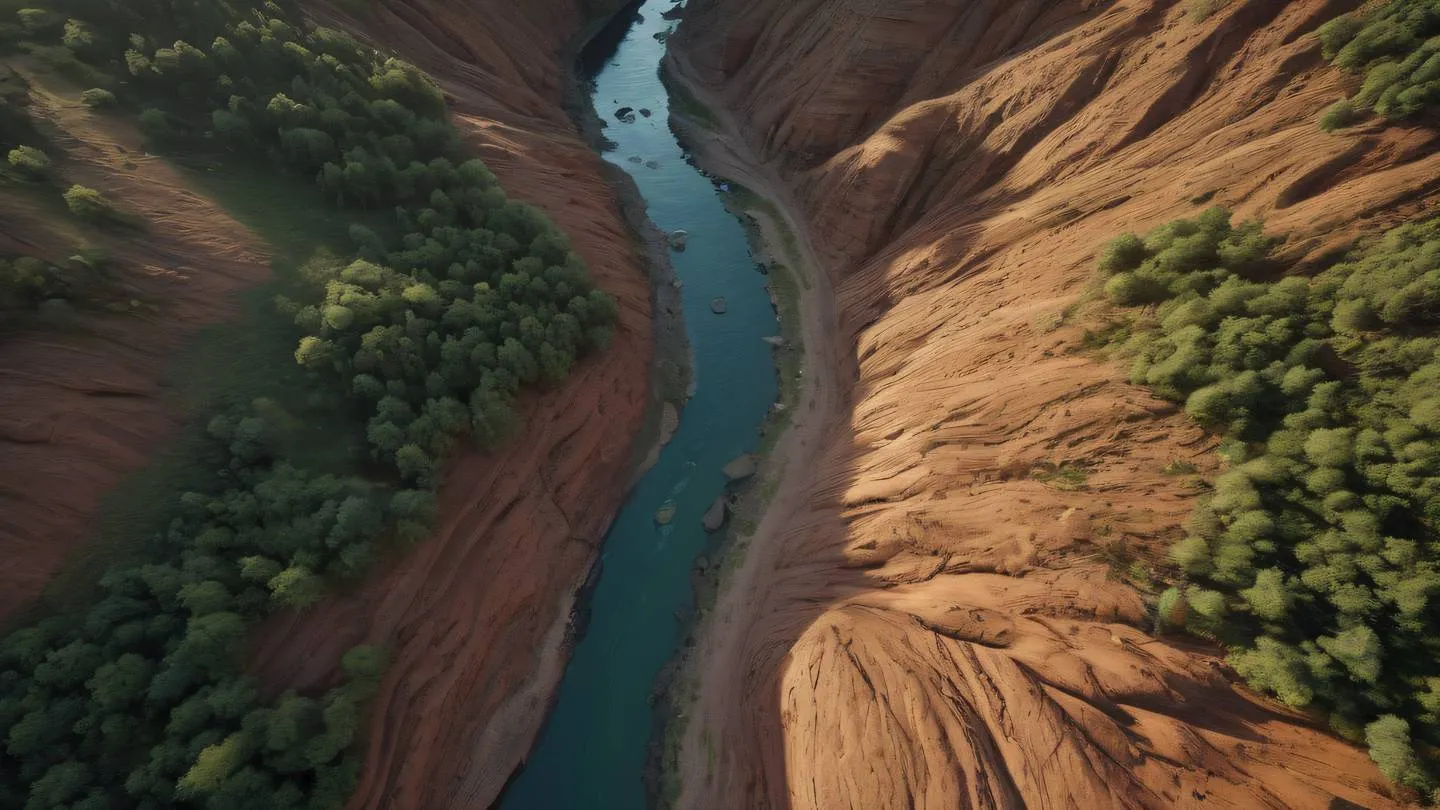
x,y
718,305
678,240
715,516
741,468
665,513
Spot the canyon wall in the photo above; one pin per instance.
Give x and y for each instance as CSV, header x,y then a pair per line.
x,y
947,622
475,618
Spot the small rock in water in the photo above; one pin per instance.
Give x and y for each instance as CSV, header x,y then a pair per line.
x,y
661,36
775,340
652,164
665,513
625,114
740,469
718,305
645,111
673,13
678,240
635,159
702,562
715,516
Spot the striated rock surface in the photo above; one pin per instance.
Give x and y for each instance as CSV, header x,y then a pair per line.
x,y
475,618
933,626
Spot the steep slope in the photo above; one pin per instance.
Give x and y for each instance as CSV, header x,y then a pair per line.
x,y
82,408
947,621
475,618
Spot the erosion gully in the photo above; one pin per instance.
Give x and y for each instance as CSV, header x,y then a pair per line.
x,y
593,750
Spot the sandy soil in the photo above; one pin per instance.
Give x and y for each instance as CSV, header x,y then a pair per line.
x,y
85,405
923,621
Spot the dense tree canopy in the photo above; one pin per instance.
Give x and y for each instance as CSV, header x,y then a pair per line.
x,y
1396,46
1316,558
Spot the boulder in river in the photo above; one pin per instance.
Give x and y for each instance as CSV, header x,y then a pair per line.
x,y
652,164
776,341
673,13
661,36
645,112
635,159
715,516
665,513
626,114
740,469
718,305
678,240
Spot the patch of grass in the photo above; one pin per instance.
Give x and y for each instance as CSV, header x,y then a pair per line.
x,y
1179,467
1339,115
1201,10
1065,477
685,104
1047,322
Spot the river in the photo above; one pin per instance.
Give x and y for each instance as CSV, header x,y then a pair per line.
x,y
592,752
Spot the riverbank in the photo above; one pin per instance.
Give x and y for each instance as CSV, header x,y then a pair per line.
x,y
672,366
810,399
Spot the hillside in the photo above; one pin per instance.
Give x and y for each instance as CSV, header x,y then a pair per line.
x,y
474,617
952,608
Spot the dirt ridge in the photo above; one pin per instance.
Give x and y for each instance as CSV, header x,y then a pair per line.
x,y
958,197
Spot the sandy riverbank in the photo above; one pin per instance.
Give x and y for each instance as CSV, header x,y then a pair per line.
x,y
785,475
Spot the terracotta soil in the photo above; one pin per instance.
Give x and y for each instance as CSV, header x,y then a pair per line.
x,y
921,620
83,406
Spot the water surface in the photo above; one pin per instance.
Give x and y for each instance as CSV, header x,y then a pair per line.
x,y
592,752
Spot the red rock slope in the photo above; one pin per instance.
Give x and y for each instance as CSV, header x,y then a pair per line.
x,y
475,617
934,627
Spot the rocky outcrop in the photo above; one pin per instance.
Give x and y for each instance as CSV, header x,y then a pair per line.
x,y
938,627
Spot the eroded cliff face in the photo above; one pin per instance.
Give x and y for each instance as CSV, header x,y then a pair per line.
x,y
475,618
938,627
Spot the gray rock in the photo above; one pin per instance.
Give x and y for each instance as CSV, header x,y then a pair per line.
x,y
741,468
645,112
715,515
775,341
718,305
58,310
679,239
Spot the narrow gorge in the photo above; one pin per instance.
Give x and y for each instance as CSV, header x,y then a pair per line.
x,y
716,404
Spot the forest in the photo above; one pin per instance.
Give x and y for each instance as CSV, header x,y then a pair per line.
x,y
1395,47
453,299
1315,559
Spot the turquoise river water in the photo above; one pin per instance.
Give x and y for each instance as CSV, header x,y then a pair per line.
x,y
592,752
